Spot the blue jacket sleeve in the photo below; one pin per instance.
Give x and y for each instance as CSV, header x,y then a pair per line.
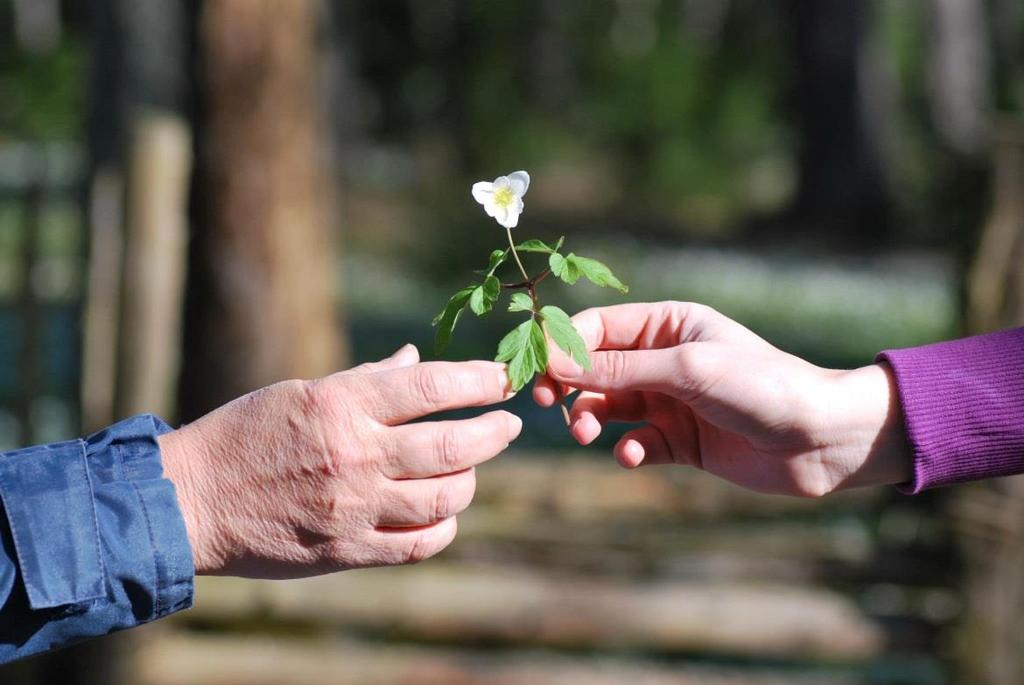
x,y
91,541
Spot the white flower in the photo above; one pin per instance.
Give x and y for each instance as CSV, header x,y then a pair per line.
x,y
503,199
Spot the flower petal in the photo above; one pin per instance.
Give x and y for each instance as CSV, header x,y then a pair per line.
x,y
520,181
492,208
483,192
511,219
502,182
501,214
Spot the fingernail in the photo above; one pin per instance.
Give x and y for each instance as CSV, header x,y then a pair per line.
x,y
515,424
401,349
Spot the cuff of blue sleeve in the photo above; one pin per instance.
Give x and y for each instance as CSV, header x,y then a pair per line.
x,y
133,442
47,495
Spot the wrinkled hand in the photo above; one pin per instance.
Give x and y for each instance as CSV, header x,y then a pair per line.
x,y
309,477
713,395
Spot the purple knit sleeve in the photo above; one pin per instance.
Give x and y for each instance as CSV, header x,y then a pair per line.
x,y
963,406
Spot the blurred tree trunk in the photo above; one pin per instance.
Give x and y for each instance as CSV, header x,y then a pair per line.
x,y
959,74
263,270
990,515
839,102
959,79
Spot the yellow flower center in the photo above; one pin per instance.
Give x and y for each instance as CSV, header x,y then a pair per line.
x,y
503,197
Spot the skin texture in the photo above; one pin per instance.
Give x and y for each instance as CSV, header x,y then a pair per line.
x,y
713,395
309,477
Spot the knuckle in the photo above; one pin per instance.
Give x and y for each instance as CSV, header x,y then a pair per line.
x,y
442,505
326,507
316,398
433,387
615,365
688,360
447,448
418,550
694,364
698,309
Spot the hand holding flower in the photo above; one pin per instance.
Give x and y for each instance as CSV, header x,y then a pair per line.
x,y
713,395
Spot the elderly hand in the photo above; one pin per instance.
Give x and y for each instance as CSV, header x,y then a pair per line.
x,y
309,477
711,394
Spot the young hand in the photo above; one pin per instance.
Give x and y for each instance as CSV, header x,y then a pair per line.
x,y
713,395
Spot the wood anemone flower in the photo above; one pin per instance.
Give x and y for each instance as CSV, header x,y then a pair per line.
x,y
503,199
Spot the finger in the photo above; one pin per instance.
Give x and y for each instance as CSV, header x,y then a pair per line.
x,y
428,500
591,411
587,417
407,355
413,545
646,325
415,391
660,370
545,391
422,450
548,392
644,446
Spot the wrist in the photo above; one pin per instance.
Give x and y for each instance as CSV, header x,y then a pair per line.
x,y
869,438
182,457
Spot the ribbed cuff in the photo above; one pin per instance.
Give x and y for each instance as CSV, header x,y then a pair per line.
x,y
963,407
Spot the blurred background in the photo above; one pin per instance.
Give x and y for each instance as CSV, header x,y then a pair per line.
x,y
200,198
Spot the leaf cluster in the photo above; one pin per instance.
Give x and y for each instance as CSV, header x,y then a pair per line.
x,y
525,348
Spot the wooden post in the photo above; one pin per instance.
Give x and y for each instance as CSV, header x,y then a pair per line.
x,y
103,301
159,175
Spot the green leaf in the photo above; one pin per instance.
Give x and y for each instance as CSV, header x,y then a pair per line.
x,y
513,342
521,302
570,267
597,273
562,331
535,245
564,268
497,258
483,297
525,349
446,320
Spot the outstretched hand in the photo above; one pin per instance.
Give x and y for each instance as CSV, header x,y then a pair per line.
x,y
309,477
712,394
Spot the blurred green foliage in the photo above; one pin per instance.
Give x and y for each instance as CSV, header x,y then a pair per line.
x,y
659,123
42,96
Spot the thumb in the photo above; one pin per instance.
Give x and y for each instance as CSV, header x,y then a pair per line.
x,y
407,355
657,370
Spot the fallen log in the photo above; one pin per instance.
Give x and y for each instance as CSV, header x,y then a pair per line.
x,y
210,660
588,486
460,604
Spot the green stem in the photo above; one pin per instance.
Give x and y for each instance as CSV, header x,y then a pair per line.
x,y
531,286
512,245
